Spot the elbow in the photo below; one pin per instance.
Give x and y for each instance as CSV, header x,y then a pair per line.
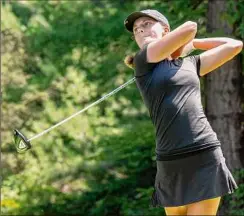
x,y
240,45
191,27
237,45
190,30
234,46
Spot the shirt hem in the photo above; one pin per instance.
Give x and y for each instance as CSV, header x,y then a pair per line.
x,y
193,151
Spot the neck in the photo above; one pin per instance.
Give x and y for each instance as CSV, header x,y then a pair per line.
x,y
169,58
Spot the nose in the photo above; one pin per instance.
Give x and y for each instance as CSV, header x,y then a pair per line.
x,y
141,30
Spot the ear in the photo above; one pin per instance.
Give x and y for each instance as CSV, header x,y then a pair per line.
x,y
165,30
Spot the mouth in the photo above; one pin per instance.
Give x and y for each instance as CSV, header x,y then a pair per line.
x,y
146,37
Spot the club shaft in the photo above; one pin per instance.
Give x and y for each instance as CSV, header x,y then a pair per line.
x,y
81,111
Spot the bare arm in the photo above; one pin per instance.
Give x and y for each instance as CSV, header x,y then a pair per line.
x,y
187,49
163,47
209,43
219,51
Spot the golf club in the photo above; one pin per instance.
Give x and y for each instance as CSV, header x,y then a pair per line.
x,y
21,142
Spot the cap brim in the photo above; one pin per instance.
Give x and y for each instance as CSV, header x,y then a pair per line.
x,y
129,21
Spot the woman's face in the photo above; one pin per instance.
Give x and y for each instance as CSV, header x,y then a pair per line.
x,y
146,30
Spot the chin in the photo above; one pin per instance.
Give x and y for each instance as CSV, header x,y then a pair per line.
x,y
148,40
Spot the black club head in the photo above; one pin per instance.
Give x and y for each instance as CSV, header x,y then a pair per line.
x,y
21,142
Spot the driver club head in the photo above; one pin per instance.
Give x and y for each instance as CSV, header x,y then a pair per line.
x,y
21,142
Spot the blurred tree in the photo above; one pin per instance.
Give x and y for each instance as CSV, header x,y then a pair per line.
x,y
223,89
58,57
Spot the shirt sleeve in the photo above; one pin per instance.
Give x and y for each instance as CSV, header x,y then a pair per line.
x,y
142,67
197,63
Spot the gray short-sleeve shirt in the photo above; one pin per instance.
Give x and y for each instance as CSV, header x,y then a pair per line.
x,y
170,90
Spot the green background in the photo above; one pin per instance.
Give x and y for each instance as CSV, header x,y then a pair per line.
x,y
58,57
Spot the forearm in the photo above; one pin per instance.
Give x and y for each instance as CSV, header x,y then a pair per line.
x,y
170,42
187,49
209,43
206,44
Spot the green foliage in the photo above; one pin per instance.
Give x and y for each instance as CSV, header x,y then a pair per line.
x,y
57,58
234,15
237,201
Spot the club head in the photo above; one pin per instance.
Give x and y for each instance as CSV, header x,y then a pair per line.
x,y
21,142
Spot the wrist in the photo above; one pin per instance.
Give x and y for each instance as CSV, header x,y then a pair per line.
x,y
195,42
192,44
209,43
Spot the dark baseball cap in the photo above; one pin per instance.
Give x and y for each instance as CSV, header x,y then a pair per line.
x,y
129,21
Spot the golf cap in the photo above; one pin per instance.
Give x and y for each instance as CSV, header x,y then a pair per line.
x,y
129,21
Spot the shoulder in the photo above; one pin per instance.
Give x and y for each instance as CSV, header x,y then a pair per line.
x,y
142,66
193,58
193,62
141,55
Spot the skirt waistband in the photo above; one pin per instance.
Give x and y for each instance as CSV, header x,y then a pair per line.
x,y
200,159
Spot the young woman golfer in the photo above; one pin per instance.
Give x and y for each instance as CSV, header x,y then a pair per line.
x,y
191,171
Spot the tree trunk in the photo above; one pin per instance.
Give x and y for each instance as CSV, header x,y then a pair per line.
x,y
223,94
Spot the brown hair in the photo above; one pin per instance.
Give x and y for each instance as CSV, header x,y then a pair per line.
x,y
129,61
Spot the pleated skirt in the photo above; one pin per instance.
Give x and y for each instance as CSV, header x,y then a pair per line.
x,y
192,179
